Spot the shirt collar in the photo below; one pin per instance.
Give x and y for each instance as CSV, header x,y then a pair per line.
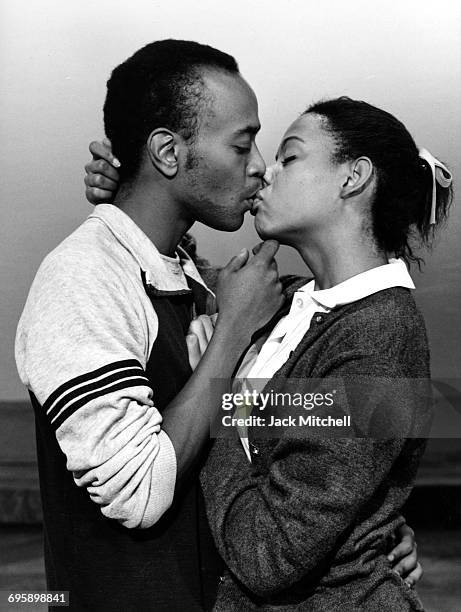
x,y
162,272
392,274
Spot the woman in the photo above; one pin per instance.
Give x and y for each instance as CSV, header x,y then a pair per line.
x,y
305,525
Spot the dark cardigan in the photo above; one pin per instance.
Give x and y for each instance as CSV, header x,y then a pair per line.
x,y
305,526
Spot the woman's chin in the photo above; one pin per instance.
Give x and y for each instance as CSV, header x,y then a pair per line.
x,y
274,234
263,228
266,232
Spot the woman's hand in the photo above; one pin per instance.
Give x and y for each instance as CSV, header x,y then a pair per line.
x,y
404,557
199,335
102,178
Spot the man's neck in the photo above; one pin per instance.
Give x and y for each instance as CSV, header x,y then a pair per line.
x,y
155,213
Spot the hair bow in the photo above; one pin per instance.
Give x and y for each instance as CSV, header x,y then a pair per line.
x,y
440,173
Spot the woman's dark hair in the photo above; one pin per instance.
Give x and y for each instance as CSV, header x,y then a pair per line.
x,y
402,202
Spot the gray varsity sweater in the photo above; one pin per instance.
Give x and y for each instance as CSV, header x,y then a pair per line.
x,y
305,525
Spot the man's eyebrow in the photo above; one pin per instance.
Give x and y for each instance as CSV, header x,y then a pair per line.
x,y
284,141
249,129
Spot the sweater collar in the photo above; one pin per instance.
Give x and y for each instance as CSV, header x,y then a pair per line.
x,y
164,273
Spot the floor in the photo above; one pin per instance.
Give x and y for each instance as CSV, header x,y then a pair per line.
x,y
21,567
436,501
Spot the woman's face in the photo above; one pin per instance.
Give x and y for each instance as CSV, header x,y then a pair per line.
x,y
301,195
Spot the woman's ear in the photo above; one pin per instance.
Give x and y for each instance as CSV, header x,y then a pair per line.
x,y
359,176
162,148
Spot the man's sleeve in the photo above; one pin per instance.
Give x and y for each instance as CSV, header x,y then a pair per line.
x,y
81,348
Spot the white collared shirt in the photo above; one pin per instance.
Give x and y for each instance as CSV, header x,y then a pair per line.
x,y
263,362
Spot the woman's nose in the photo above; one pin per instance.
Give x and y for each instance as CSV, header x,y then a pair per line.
x,y
268,176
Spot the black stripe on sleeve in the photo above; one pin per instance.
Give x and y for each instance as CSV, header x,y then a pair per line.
x,y
125,384
94,386
88,377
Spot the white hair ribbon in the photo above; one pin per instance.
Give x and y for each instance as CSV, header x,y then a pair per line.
x,y
440,173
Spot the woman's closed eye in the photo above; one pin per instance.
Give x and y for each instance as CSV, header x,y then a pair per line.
x,y
288,159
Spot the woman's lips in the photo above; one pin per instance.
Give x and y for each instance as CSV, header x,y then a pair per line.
x,y
257,200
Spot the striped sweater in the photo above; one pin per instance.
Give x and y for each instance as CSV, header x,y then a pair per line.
x,y
83,342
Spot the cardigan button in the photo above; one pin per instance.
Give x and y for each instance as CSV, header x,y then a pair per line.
x,y
254,450
319,319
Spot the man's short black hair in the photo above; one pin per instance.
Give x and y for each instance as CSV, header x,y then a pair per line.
x,y
161,85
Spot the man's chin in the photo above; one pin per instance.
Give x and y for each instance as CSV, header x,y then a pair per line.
x,y
229,224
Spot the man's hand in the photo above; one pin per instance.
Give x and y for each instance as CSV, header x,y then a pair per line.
x,y
102,178
249,292
404,557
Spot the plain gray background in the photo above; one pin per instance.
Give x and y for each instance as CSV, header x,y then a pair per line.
x,y
56,56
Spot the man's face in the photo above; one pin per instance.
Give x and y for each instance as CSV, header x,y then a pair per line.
x,y
225,167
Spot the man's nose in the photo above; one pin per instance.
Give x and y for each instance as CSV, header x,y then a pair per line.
x,y
257,165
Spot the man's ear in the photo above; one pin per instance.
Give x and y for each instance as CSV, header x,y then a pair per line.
x,y
162,148
359,175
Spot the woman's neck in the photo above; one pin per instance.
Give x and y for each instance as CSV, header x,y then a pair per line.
x,y
336,257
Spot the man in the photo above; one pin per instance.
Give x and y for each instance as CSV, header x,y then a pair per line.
x,y
122,425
